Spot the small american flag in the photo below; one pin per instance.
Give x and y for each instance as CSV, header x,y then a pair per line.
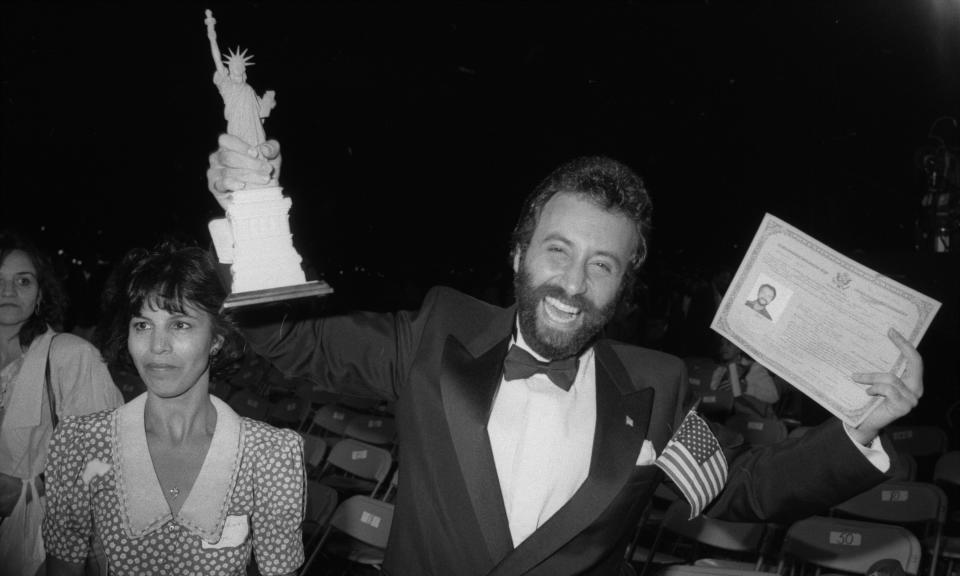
x,y
694,461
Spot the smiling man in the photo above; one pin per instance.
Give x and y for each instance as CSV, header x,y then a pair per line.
x,y
528,445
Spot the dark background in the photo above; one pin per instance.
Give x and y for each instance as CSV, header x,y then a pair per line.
x,y
411,132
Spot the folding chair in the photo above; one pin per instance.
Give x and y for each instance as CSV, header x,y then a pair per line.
x,y
919,440
946,475
379,430
687,570
924,442
332,420
363,404
908,469
355,467
715,404
315,395
757,431
321,502
729,544
918,506
287,412
648,526
390,492
700,372
314,450
250,404
846,546
366,522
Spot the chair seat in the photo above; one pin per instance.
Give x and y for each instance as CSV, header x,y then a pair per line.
x,y
345,484
641,554
688,570
343,546
726,563
950,547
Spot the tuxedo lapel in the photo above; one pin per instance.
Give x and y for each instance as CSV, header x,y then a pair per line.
x,y
623,415
469,385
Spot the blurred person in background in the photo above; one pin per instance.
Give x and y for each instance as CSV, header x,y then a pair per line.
x,y
45,376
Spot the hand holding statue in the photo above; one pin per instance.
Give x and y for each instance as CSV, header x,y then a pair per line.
x,y
236,165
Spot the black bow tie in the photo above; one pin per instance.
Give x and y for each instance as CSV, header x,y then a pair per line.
x,y
520,364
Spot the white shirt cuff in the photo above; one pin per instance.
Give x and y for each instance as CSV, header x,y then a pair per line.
x,y
874,452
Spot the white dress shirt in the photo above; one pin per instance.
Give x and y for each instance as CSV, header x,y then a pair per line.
x,y
542,441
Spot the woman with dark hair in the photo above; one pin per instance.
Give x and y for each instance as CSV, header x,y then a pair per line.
x,y
174,482
44,376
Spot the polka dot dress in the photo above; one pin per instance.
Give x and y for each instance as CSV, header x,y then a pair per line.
x,y
264,510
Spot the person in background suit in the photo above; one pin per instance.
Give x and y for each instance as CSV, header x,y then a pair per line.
x,y
504,471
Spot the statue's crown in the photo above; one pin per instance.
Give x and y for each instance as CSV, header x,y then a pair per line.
x,y
238,58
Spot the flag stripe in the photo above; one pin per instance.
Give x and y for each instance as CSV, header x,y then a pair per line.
x,y
687,478
685,469
694,461
683,482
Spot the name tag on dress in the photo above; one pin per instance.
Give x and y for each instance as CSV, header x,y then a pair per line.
x,y
235,531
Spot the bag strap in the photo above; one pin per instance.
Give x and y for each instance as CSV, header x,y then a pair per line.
x,y
50,396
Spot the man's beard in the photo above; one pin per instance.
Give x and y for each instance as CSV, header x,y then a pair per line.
x,y
549,342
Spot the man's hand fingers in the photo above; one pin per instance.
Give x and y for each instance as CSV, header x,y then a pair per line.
x,y
270,149
913,372
220,180
900,399
231,142
233,160
235,166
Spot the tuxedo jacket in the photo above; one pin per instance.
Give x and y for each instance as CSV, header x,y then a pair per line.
x,y
442,366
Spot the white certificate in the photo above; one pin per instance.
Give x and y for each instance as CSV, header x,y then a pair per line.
x,y
815,317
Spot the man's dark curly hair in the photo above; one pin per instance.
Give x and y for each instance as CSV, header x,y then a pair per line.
x,y
52,297
609,184
169,277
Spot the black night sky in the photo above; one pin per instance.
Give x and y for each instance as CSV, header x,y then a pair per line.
x,y
411,132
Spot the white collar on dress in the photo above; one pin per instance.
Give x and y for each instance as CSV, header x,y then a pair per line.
x,y
144,507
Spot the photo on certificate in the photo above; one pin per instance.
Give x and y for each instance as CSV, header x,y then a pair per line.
x,y
769,297
815,317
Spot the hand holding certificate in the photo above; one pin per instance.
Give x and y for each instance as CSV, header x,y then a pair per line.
x,y
828,325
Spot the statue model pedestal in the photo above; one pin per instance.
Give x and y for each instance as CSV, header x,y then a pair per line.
x,y
255,240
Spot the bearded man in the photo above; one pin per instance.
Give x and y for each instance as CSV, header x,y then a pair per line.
x,y
527,444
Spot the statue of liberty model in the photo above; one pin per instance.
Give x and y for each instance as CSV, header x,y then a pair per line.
x,y
242,108
255,237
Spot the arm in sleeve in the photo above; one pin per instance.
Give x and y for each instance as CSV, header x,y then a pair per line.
x,y
362,354
795,478
80,375
67,524
873,451
281,498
